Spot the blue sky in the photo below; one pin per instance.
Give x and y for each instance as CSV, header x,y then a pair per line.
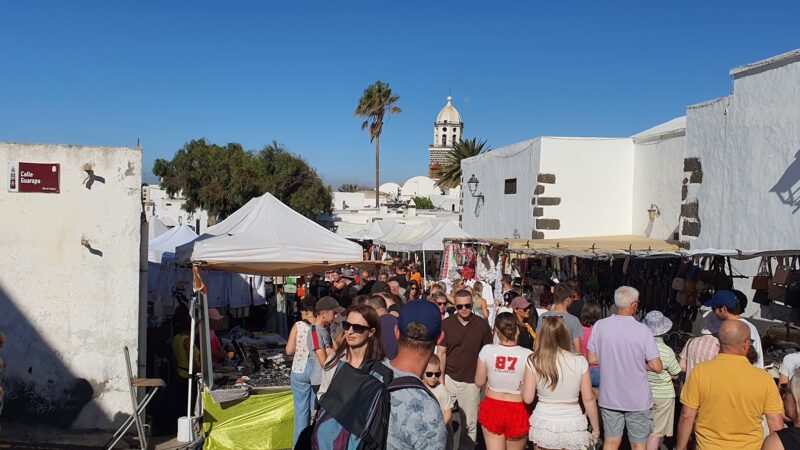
x,y
107,73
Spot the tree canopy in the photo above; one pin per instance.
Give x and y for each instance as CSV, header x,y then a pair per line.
x,y
451,169
221,179
423,203
352,187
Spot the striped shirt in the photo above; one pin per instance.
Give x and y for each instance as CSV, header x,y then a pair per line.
x,y
699,349
661,383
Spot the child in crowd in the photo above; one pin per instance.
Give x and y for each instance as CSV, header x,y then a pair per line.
x,y
432,378
661,383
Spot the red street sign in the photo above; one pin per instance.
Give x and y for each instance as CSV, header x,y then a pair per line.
x,y
35,177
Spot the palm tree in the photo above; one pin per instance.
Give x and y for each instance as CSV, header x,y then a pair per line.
x,y
451,169
376,103
349,187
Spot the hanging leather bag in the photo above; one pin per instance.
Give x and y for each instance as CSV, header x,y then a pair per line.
x,y
761,297
793,286
781,275
762,279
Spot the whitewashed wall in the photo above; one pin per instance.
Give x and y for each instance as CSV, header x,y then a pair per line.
x,y
501,215
66,310
594,180
749,147
657,179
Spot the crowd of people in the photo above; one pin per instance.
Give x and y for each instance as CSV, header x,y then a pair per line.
x,y
509,373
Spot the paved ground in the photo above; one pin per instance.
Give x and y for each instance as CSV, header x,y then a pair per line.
x,y
38,437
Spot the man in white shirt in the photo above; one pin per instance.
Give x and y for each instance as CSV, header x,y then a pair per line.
x,y
729,305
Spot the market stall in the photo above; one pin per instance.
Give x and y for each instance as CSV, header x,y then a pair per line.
x,y
264,237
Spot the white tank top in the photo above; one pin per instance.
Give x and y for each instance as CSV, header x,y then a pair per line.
x,y
505,366
571,368
301,348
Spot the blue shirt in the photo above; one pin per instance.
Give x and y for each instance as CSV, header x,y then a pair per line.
x,y
388,322
416,420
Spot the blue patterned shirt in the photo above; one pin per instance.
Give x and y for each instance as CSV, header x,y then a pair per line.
x,y
416,420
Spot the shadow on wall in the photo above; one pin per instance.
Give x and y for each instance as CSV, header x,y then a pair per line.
x,y
39,386
788,186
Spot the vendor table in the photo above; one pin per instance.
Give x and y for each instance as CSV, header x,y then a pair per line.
x,y
263,420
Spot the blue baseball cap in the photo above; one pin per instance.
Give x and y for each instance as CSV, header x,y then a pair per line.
x,y
722,298
424,313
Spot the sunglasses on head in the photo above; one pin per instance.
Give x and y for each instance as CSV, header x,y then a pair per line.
x,y
433,374
358,329
464,306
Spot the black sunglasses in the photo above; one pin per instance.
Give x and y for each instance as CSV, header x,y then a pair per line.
x,y
441,304
464,306
358,329
527,308
433,374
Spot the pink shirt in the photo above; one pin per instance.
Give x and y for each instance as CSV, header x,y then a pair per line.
x,y
587,333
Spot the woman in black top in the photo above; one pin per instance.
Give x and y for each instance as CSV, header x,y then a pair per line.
x,y
788,438
522,310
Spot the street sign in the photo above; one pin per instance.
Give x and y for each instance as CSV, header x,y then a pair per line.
x,y
34,177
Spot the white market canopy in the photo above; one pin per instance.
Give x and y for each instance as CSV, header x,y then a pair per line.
x,y
424,236
163,246
266,237
155,228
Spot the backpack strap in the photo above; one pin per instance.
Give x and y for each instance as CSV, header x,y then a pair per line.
x,y
409,382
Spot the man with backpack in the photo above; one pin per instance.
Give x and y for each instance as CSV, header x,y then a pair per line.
x,y
384,404
416,421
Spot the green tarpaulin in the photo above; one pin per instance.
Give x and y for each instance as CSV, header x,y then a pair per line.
x,y
260,421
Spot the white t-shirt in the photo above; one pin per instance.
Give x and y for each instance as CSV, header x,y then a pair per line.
x,y
756,343
505,366
789,364
571,368
443,396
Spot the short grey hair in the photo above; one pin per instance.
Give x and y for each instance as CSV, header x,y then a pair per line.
x,y
394,284
624,296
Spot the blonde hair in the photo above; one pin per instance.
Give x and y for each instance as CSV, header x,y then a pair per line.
x,y
794,388
553,339
477,292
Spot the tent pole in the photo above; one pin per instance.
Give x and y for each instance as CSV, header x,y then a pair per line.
x,y
424,269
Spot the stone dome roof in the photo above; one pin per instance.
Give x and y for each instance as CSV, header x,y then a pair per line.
x,y
449,113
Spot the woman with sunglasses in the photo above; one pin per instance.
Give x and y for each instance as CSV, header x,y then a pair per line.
x,y
362,342
501,367
414,292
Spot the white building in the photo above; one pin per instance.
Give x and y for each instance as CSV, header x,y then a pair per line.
x,y
726,175
169,209
70,282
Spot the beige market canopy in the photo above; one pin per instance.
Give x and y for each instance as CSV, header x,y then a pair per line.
x,y
587,246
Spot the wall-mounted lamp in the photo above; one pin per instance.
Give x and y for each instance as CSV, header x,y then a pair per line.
x,y
653,211
473,187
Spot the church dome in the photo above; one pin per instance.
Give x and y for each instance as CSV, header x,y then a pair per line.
x,y
448,114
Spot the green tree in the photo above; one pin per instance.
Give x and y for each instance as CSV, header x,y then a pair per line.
x,y
423,203
376,103
350,187
451,169
221,179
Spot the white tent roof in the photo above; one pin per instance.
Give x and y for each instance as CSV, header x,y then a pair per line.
x,y
155,228
166,243
266,237
378,229
403,235
433,241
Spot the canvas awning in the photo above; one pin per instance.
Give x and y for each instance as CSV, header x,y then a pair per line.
x,y
266,237
403,235
587,246
165,244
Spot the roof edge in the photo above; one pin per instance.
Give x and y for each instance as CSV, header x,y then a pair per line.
x,y
766,64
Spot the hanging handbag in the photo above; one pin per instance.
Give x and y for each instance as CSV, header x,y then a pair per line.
x,y
761,297
762,279
793,286
777,293
781,275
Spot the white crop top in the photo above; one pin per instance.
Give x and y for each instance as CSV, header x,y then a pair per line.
x,y
571,368
505,366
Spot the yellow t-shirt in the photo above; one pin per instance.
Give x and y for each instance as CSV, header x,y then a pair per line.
x,y
730,396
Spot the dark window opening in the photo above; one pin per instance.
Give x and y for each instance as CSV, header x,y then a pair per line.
x,y
444,140
511,186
